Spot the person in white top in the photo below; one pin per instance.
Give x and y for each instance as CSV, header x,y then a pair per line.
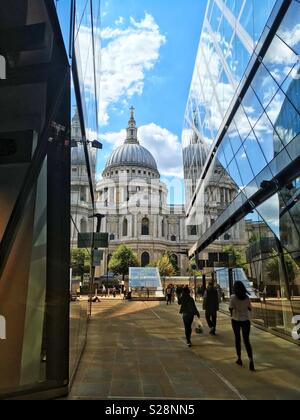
x,y
240,309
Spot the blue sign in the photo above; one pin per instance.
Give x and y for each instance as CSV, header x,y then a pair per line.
x,y
144,277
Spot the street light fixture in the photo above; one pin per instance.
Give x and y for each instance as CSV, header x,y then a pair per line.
x,y
99,218
95,143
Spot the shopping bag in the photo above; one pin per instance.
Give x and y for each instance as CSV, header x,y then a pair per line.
x,y
199,328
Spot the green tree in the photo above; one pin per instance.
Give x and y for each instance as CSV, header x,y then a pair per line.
x,y
174,263
193,270
237,257
273,267
80,262
122,259
165,267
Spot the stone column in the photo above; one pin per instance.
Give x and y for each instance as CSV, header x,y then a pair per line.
x,y
136,227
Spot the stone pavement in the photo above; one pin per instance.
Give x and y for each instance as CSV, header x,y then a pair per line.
x,y
136,350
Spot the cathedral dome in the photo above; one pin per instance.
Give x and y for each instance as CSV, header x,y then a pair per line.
x,y
131,153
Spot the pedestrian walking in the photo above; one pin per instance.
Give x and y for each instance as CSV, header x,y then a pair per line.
x,y
211,307
169,295
178,292
189,311
240,308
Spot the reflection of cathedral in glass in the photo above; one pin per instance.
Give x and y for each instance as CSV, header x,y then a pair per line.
x,y
248,120
194,157
287,127
81,202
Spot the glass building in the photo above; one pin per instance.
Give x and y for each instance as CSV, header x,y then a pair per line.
x,y
242,128
43,87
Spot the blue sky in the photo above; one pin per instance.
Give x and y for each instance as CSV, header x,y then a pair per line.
x,y
148,55
172,30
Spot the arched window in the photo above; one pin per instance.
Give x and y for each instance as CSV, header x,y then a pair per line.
x,y
125,227
112,237
145,260
163,229
173,238
145,227
83,226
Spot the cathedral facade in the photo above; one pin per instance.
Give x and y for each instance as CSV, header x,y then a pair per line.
x,y
134,200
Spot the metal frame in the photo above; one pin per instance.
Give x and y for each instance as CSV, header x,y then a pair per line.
x,y
56,147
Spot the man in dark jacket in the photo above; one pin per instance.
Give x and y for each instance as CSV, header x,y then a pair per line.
x,y
211,307
189,311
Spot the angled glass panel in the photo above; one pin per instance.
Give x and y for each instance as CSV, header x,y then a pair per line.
x,y
279,60
289,29
261,15
244,166
270,211
234,137
221,157
227,44
241,57
235,175
291,86
254,154
247,18
281,160
266,136
216,18
289,197
227,149
225,92
265,175
285,118
293,148
218,171
277,107
242,123
264,86
252,107
251,189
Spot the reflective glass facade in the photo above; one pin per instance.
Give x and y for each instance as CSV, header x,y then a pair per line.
x,y
84,129
242,125
42,323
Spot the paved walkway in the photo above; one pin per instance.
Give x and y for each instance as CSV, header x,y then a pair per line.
x,y
137,350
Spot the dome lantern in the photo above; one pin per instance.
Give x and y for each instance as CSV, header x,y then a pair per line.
x,y
132,153
132,129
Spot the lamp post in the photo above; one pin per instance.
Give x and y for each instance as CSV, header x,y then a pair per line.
x,y
99,218
194,268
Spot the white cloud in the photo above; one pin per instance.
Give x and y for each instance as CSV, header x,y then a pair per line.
x,y
291,36
279,53
164,146
126,58
116,139
120,21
